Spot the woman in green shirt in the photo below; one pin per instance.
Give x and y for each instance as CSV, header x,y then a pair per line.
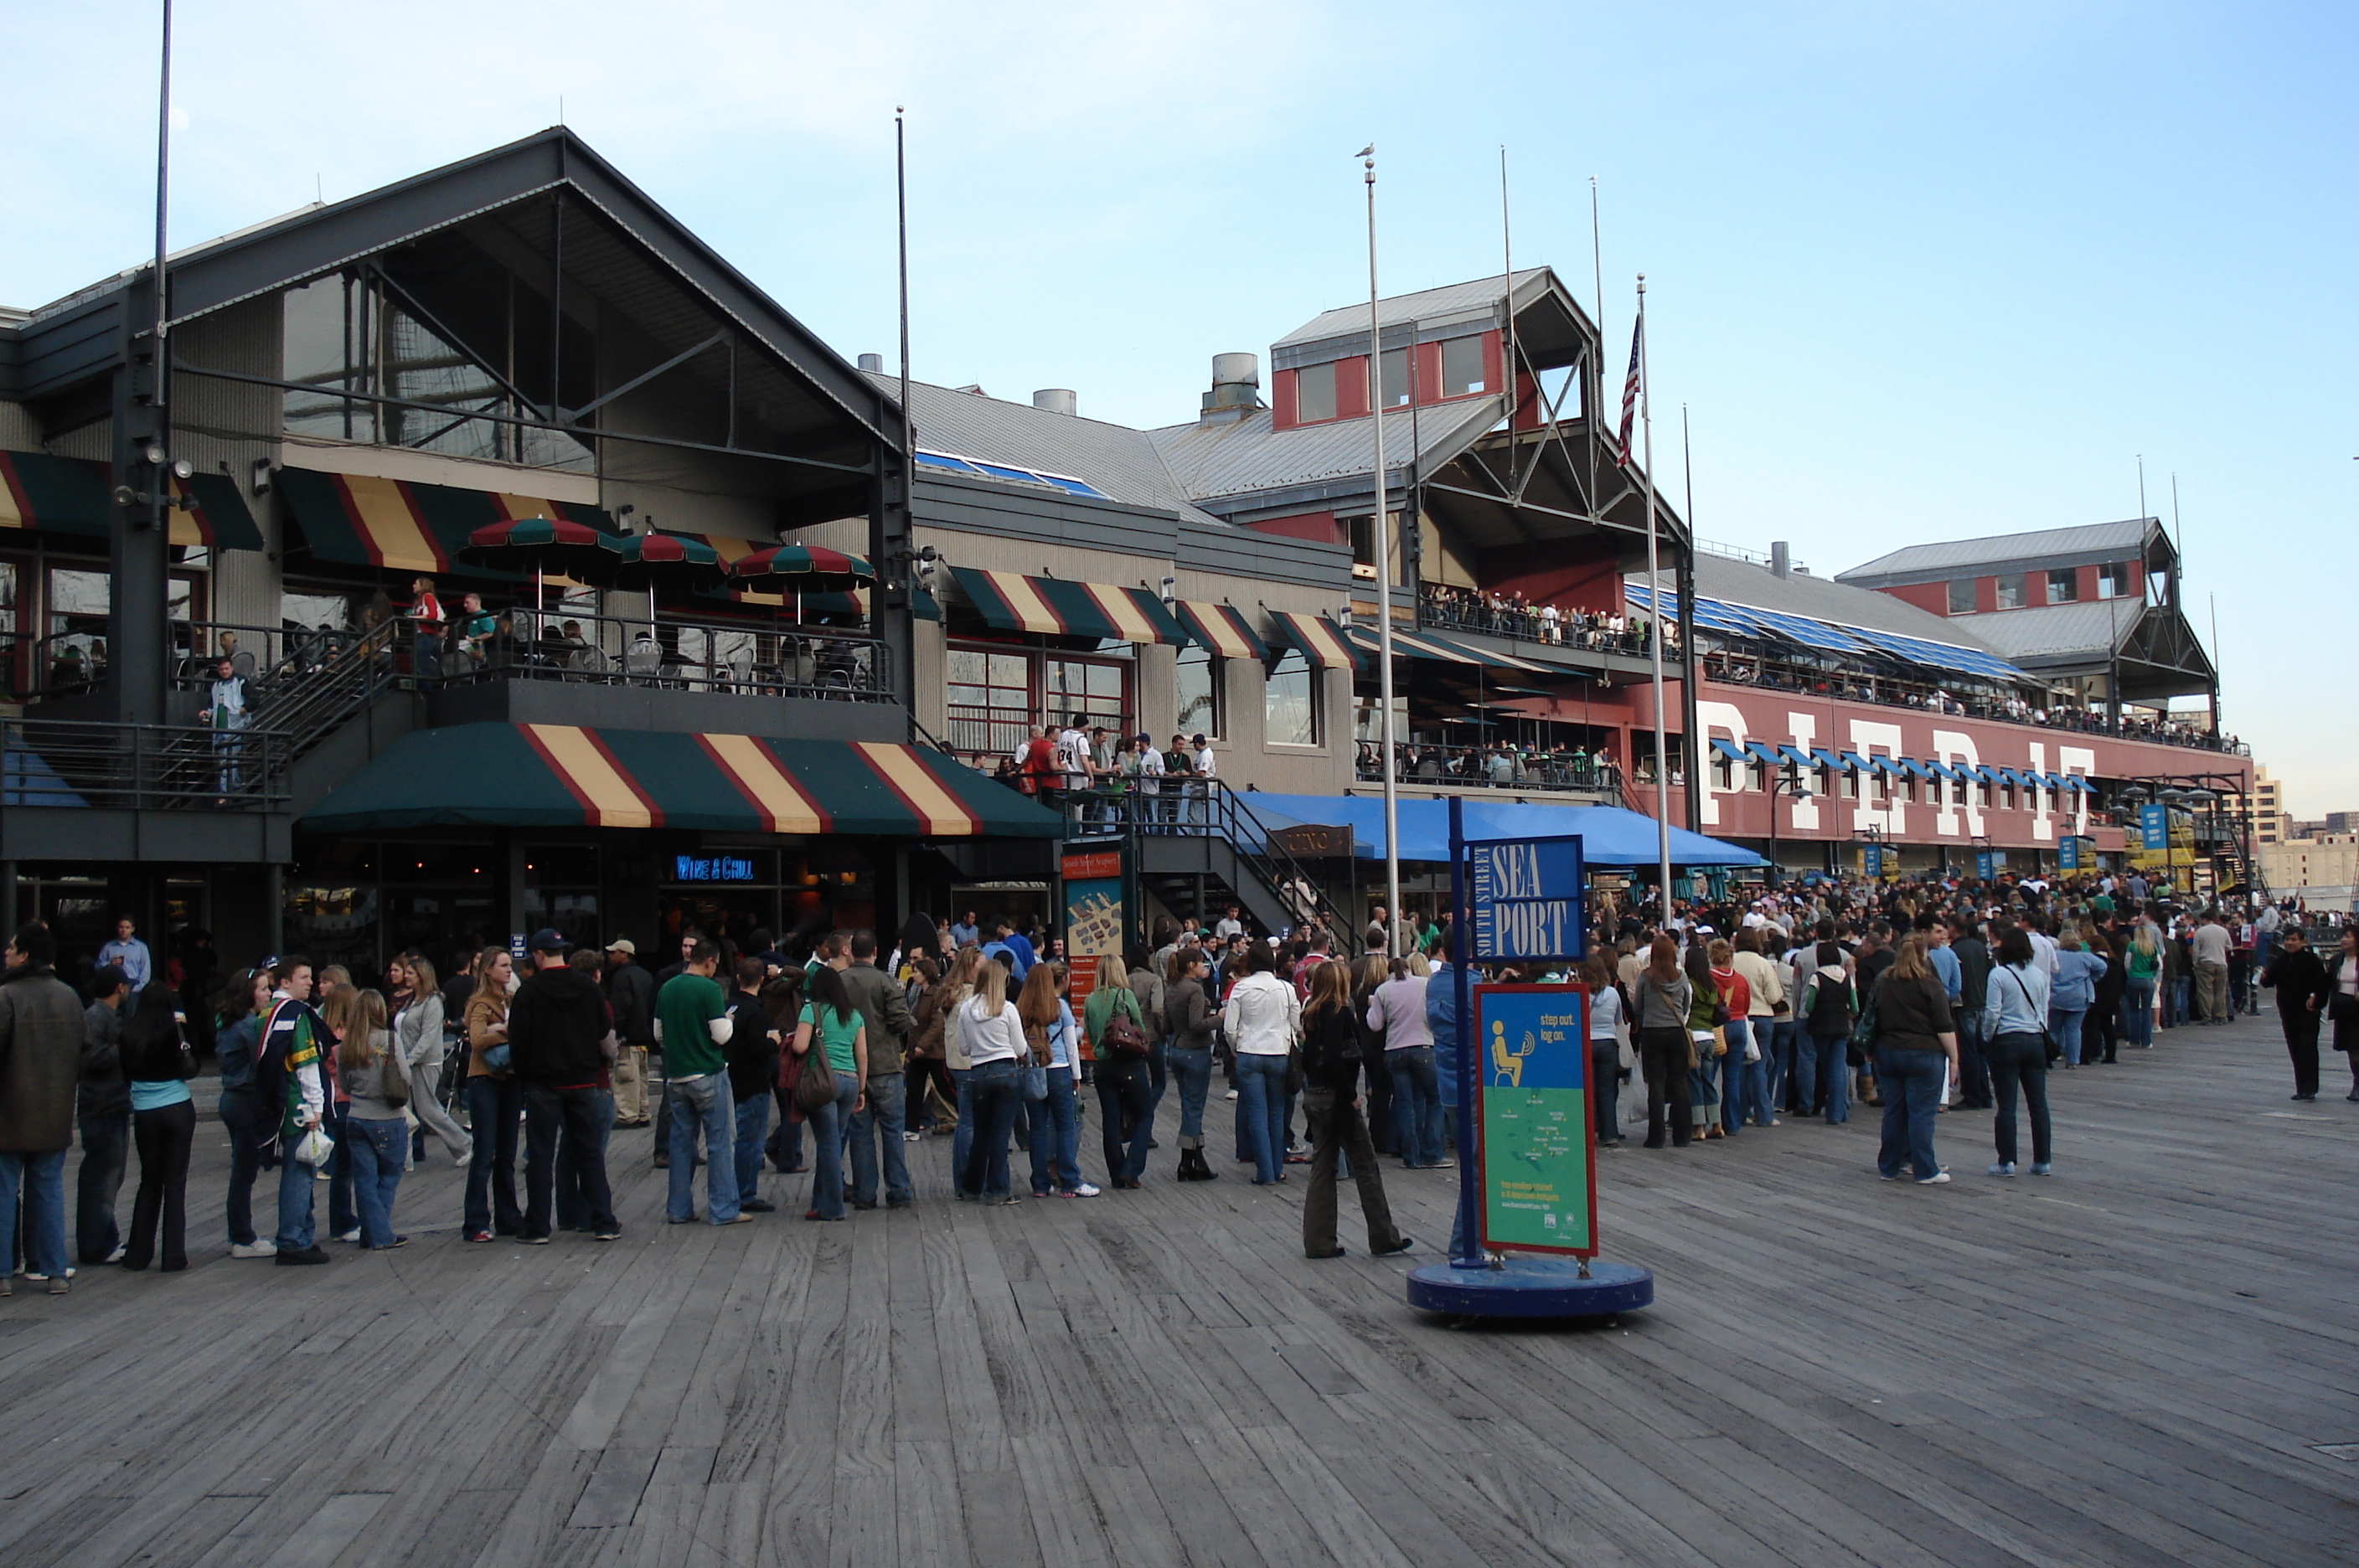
x,y
829,1021
2144,959
1125,1094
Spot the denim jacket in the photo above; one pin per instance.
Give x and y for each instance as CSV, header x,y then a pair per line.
x,y
234,1049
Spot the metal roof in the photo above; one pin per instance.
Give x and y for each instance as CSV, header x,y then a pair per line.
x,y
1741,582
2040,546
1477,298
1121,461
1245,455
2090,629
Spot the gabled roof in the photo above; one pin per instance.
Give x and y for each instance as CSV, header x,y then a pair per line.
x,y
1115,459
1475,300
1250,455
2091,630
2087,542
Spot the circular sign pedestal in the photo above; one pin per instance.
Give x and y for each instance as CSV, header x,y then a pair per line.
x,y
1527,1287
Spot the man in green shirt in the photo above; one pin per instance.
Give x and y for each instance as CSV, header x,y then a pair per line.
x,y
692,1024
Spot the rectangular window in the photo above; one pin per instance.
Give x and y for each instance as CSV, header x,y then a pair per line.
x,y
2014,592
1199,677
1290,701
1396,389
1461,367
2063,585
1961,596
2113,581
1314,394
1363,534
1097,690
990,699
1723,772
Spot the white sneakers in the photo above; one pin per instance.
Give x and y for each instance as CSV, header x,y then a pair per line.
x,y
254,1249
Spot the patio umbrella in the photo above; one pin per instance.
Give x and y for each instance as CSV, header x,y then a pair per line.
x,y
803,569
666,560
571,549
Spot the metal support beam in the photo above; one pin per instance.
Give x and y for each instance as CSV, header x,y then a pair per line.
x,y
1691,738
138,544
675,362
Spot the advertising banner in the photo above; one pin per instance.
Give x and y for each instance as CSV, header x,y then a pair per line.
x,y
1537,1144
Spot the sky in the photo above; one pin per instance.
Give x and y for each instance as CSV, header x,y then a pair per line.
x,y
1918,272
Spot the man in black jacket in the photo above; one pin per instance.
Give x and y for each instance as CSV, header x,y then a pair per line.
x,y
631,991
554,1027
1974,971
2302,987
884,1012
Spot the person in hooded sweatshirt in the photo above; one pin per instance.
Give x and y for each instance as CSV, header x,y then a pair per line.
x,y
555,1026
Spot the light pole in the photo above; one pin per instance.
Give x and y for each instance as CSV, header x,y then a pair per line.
x,y
1785,781
1378,530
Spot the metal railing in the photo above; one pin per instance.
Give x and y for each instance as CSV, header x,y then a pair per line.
x,y
672,654
77,765
1448,610
1487,768
1201,808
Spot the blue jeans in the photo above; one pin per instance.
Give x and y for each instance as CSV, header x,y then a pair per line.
x,y
1193,1070
574,1211
1417,1105
2138,1011
492,1106
962,1137
881,1120
1056,1137
827,1127
105,1153
297,1228
1748,1092
1261,1109
1124,1093
2064,1023
574,1120
1823,1066
1606,1087
377,1149
41,1178
1703,1084
2181,988
1910,1081
702,1104
987,1102
241,1113
1974,1065
753,1131
2019,1061
343,1217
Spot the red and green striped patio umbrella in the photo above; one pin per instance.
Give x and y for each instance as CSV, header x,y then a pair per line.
x,y
803,569
667,561
547,544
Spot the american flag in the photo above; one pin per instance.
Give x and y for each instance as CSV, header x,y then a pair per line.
x,y
1630,394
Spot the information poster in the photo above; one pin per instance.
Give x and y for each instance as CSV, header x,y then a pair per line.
x,y
1537,1144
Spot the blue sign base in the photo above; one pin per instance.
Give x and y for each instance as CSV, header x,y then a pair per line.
x,y
1527,1287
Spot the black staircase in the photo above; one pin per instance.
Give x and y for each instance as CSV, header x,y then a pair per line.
x,y
1199,845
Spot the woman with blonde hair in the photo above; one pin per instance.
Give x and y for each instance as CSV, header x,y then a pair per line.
x,y
338,1000
1916,1038
957,989
494,1101
996,1055
1056,1129
368,1070
416,1003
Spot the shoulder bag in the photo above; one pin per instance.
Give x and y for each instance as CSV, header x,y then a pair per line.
x,y
1121,1037
2052,1052
814,1076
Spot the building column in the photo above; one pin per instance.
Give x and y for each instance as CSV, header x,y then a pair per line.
x,y
137,552
274,908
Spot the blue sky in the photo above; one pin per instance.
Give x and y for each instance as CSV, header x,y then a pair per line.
x,y
1918,272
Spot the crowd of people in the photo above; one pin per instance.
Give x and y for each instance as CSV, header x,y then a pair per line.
x,y
1802,1001
1510,614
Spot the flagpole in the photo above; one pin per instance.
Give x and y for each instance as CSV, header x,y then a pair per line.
x,y
1655,604
1378,530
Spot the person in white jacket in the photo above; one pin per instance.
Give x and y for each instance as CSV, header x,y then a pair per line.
x,y
1263,1020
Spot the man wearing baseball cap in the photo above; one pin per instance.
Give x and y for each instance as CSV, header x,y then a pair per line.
x,y
631,992
554,1027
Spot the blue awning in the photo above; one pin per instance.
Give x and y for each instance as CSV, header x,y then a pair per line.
x,y
2009,776
1796,756
2079,785
1767,753
1826,758
1916,768
1884,764
1946,771
1986,772
1729,750
1610,835
1856,763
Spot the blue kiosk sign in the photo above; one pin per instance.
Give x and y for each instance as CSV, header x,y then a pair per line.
x,y
1520,1057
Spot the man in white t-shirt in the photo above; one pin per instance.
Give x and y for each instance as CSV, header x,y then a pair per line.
x,y
1200,757
1073,755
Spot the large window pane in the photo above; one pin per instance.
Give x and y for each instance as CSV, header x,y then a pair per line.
x,y
1200,694
1314,393
1094,690
1290,704
2063,585
2011,589
1961,596
1395,363
1461,367
990,699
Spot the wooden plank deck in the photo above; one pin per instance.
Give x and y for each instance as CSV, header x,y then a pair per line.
x,y
2138,1361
